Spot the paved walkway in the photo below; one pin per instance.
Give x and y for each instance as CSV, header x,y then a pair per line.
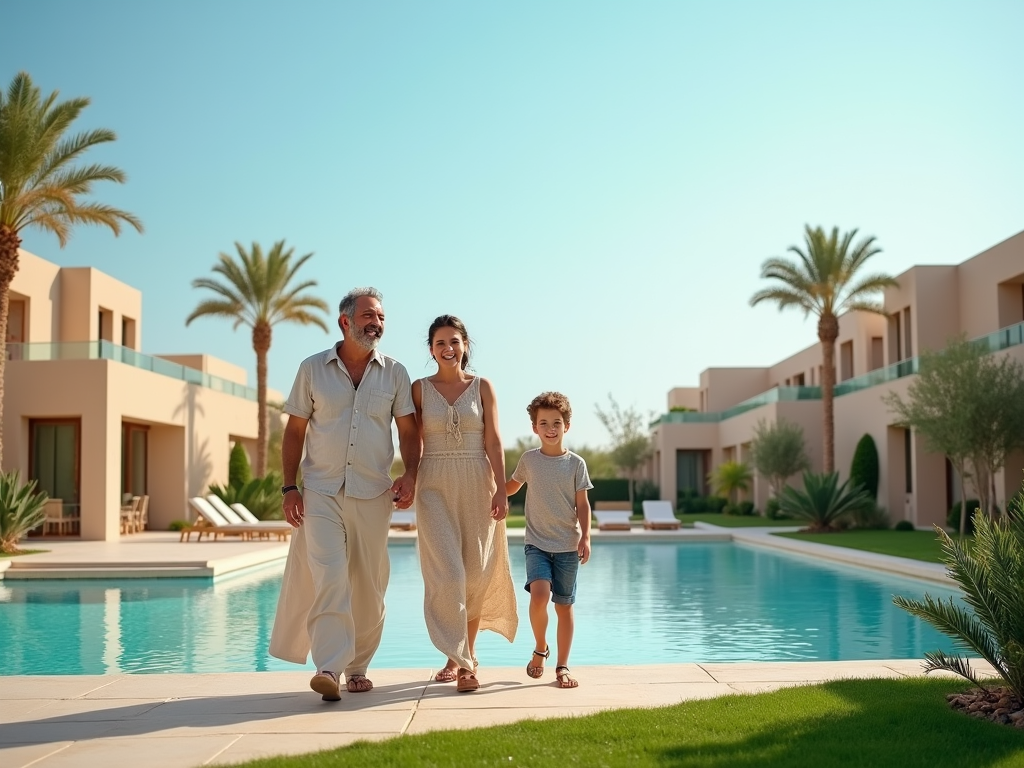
x,y
181,721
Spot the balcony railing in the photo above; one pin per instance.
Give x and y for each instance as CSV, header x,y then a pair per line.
x,y
776,395
1004,338
105,350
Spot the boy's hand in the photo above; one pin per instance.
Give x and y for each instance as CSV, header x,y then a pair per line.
x,y
583,551
499,505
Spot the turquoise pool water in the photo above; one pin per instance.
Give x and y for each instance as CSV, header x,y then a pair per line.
x,y
636,603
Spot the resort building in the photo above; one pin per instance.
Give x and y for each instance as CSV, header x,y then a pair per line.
x,y
92,419
706,425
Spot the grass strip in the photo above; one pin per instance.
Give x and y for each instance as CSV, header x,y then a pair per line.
x,y
916,545
863,723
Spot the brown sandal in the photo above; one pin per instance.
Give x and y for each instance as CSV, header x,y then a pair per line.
x,y
359,684
447,675
467,681
565,680
534,671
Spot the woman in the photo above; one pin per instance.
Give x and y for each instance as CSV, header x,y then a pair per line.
x,y
460,507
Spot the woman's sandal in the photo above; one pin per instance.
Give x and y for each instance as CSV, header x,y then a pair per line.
x,y
467,681
447,675
565,680
536,672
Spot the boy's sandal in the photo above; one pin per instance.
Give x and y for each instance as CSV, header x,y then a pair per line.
x,y
565,680
536,672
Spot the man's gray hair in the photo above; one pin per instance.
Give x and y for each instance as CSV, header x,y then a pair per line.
x,y
348,304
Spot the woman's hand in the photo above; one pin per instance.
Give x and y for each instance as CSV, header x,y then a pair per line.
x,y
499,505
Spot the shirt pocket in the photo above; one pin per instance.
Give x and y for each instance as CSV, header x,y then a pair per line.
x,y
381,402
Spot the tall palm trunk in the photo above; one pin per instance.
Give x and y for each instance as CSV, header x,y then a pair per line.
x,y
261,334
828,332
9,244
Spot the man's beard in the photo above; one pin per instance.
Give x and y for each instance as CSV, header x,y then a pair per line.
x,y
365,340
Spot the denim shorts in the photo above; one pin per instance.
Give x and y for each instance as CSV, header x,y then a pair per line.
x,y
558,568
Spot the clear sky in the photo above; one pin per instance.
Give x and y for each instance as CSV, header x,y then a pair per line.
x,y
590,186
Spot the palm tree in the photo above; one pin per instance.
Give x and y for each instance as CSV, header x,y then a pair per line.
x,y
41,182
823,281
731,478
256,292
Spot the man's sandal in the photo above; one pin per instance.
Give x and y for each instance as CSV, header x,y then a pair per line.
x,y
565,680
534,671
447,675
467,681
358,684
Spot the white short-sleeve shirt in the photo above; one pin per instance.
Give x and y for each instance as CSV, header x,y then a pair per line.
x,y
348,438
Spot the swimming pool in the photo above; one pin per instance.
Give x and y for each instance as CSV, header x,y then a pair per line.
x,y
636,603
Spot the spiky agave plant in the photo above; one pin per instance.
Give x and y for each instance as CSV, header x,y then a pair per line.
x,y
824,502
990,576
22,508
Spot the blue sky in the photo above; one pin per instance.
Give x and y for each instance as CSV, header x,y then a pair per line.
x,y
591,186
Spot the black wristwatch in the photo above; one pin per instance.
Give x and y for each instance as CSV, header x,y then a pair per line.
x,y
284,491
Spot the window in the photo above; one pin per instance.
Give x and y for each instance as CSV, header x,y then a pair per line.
x,y
134,458
54,458
846,360
907,452
105,325
798,380
691,468
877,353
907,346
15,327
128,333
897,337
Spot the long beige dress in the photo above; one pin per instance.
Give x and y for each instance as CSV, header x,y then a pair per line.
x,y
463,552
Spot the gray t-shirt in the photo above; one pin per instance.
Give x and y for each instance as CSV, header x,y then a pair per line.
x,y
551,486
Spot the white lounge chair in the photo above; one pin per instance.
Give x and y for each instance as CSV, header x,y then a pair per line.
x,y
404,519
660,515
612,515
213,523
234,515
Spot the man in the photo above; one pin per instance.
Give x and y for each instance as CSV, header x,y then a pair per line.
x,y
340,408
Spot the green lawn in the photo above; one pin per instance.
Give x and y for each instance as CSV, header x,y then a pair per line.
x,y
917,545
736,521
862,723
24,552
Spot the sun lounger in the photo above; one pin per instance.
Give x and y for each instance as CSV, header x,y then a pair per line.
x,y
658,515
612,515
404,519
213,523
233,514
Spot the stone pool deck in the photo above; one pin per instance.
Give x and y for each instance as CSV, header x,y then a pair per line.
x,y
182,721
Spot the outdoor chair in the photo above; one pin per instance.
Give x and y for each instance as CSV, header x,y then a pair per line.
x,y
403,519
234,515
55,521
128,514
612,515
659,515
212,523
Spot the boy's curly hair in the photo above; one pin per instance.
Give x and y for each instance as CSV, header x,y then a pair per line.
x,y
554,400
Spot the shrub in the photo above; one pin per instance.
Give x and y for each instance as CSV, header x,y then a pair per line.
x,y
989,575
745,508
730,509
239,471
904,525
953,516
730,477
715,504
864,468
772,509
824,503
177,525
609,489
645,490
874,517
22,508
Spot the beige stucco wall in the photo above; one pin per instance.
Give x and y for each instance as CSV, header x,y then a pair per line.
x,y
37,282
191,428
84,291
979,278
684,397
725,387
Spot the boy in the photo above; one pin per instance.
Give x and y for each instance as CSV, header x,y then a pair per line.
x,y
557,528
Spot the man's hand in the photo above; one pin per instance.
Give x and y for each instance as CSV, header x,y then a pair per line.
x,y
403,490
499,504
293,509
583,551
